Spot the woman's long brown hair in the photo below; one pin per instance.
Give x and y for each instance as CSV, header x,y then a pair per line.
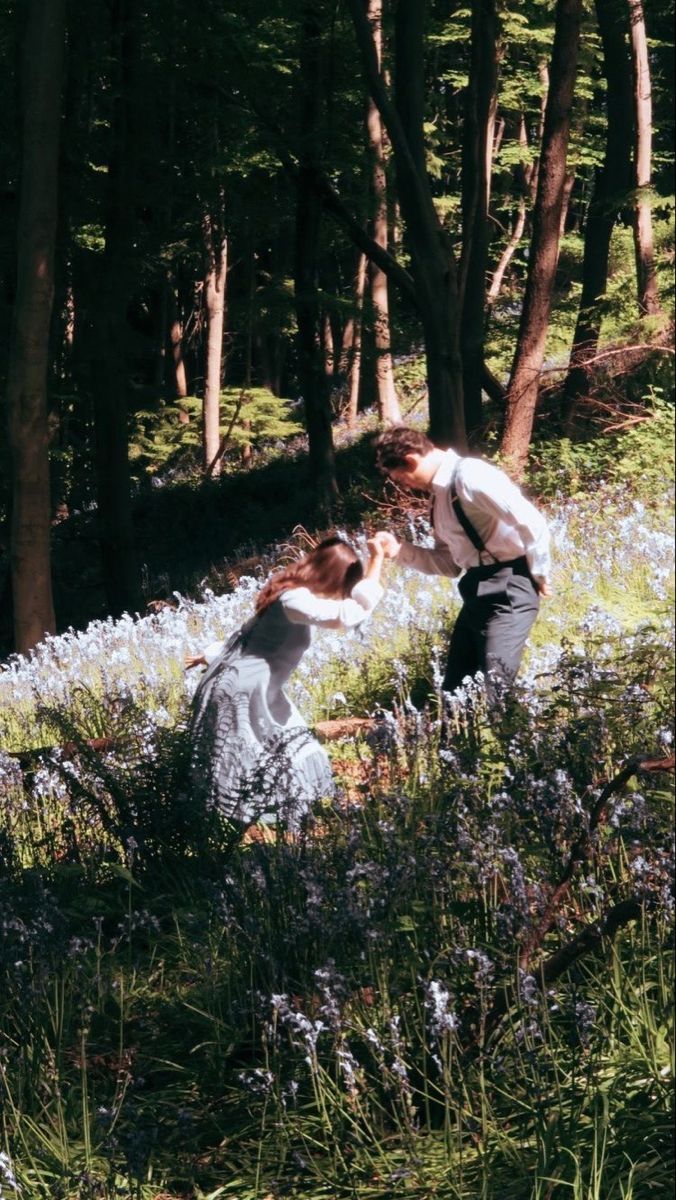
x,y
331,569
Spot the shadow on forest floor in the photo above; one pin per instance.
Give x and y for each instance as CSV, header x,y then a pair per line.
x,y
190,532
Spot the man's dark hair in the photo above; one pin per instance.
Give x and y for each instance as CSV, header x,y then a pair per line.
x,y
392,447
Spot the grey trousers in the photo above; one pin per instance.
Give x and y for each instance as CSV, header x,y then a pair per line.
x,y
500,604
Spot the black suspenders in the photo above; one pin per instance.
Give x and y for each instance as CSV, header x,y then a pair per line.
x,y
464,520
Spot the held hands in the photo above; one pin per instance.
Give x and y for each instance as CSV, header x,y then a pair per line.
x,y
376,558
389,544
380,546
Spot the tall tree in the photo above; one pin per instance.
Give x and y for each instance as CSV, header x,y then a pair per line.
x,y
355,347
646,278
29,348
308,217
388,405
109,384
215,276
433,265
612,183
526,177
479,121
544,250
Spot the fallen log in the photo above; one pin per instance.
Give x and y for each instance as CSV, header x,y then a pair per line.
x,y
326,731
341,727
27,758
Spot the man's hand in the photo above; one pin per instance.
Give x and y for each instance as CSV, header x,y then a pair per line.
x,y
544,588
389,543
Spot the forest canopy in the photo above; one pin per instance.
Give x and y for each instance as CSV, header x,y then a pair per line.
x,y
223,225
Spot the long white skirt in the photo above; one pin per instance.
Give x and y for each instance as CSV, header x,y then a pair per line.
x,y
253,755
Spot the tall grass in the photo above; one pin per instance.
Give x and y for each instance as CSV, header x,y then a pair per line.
x,y
386,1005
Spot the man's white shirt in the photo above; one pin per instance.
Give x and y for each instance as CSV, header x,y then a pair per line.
x,y
507,523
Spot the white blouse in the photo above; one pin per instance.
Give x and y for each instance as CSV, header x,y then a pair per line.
x,y
303,607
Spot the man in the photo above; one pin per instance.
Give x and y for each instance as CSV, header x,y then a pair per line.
x,y
483,526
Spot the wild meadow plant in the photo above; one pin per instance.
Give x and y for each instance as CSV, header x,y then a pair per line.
x,y
621,574
454,982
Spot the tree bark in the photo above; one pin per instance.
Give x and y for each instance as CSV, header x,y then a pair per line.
x,y
180,379
312,377
527,183
433,266
477,157
646,277
355,366
507,254
328,349
523,387
246,450
568,186
109,385
611,185
523,176
216,267
388,404
29,344
172,333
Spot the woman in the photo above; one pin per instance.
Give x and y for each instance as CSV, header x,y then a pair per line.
x,y
253,755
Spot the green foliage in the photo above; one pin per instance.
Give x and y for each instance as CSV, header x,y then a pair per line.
x,y
639,458
227,1020
250,416
254,415
185,1014
620,323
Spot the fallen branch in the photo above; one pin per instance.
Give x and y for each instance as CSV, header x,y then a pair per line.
x,y
326,731
552,968
28,758
581,849
589,938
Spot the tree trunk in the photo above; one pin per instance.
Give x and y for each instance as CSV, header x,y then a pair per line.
x,y
646,278
528,177
162,321
29,345
388,404
328,349
534,168
507,254
346,344
433,262
496,132
216,262
175,322
109,384
523,386
477,157
172,332
523,177
246,451
355,368
433,266
612,183
313,380
565,203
